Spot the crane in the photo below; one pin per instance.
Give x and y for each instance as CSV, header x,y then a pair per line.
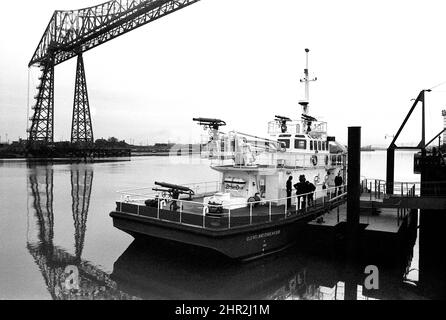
x,y
71,33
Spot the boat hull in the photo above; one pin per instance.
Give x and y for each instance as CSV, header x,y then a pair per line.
x,y
238,243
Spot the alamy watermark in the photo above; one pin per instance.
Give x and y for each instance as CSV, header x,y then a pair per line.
x,y
371,281
72,278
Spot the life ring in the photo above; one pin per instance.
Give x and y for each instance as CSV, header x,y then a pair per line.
x,y
316,179
326,177
314,160
251,200
254,201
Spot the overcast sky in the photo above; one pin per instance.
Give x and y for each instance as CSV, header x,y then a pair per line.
x,y
240,60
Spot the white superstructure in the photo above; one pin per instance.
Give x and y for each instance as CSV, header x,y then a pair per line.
x,y
258,168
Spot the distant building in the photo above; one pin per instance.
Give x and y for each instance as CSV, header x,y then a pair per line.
x,y
163,145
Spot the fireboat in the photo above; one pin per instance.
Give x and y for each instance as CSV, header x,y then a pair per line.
x,y
250,212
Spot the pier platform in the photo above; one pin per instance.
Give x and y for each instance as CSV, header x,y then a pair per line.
x,y
384,233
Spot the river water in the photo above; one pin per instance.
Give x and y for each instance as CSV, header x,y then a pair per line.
x,y
54,216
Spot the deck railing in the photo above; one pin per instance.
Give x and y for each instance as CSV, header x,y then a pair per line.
x,y
204,215
279,160
377,188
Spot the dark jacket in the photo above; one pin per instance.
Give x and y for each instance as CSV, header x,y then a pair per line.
x,y
309,187
338,181
289,186
300,188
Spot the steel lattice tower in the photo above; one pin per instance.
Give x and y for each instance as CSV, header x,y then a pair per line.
x,y
81,128
443,113
72,32
42,127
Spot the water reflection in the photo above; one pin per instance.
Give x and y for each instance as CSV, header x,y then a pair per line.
x,y
81,184
53,260
159,270
152,269
41,188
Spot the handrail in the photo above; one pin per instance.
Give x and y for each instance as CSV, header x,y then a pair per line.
x,y
338,197
378,187
399,182
299,195
229,208
277,160
260,201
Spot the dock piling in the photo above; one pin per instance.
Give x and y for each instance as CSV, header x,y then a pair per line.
x,y
353,177
353,192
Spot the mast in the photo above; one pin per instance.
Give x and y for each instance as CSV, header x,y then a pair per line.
x,y
306,102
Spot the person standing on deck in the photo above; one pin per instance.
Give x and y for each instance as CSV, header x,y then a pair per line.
x,y
175,196
324,191
338,183
300,189
310,189
289,191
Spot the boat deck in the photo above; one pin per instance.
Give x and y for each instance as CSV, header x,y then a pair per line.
x,y
193,213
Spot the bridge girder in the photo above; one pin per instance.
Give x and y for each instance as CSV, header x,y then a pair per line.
x,y
70,33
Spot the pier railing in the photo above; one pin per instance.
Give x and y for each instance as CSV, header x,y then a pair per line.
x,y
377,188
228,216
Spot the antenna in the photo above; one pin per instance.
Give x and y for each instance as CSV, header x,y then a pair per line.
x,y
306,102
210,123
283,121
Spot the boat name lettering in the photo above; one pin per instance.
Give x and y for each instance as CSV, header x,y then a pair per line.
x,y
263,235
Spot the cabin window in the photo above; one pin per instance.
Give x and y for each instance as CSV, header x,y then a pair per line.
x,y
300,144
323,146
319,145
311,144
285,143
327,146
